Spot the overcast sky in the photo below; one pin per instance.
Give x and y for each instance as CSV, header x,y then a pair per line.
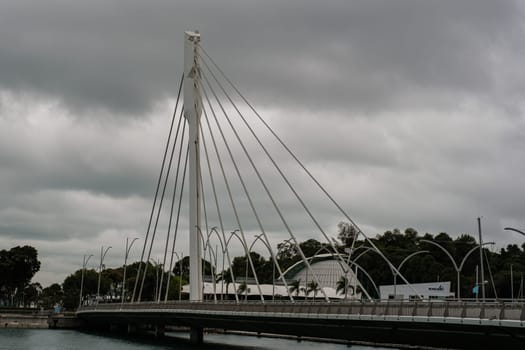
x,y
410,113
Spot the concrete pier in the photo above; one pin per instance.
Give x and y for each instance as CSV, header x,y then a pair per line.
x,y
196,335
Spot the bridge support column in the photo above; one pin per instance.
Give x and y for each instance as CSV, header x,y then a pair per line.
x,y
196,335
132,328
160,329
192,112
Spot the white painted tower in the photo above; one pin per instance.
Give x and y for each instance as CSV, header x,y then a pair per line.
x,y
192,112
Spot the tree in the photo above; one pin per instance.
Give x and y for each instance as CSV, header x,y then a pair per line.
x,y
226,276
312,287
343,287
185,262
30,294
71,287
243,288
51,296
295,287
17,267
241,267
347,233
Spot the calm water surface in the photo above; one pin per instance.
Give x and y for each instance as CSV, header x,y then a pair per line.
x,y
45,339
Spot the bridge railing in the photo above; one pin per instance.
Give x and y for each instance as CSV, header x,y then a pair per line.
x,y
499,310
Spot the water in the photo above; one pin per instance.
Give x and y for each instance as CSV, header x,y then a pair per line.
x,y
46,339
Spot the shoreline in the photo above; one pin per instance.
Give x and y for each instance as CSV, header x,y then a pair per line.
x,y
13,320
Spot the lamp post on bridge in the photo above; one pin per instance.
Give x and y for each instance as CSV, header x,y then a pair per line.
x,y
224,253
395,273
126,254
157,264
458,269
234,233
287,241
84,264
515,230
257,238
213,254
102,256
511,272
179,258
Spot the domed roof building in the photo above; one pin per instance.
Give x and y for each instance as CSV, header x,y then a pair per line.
x,y
329,273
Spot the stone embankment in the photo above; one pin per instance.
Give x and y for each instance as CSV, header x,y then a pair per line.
x,y
12,320
35,318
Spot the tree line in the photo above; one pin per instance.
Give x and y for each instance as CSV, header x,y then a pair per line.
x,y
19,264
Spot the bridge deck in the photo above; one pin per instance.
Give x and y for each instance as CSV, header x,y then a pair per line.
x,y
446,324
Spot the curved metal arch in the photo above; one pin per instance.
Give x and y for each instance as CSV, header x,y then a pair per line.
x,y
224,252
267,245
331,254
234,233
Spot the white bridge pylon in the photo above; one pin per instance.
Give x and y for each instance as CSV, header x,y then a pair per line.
x,y
192,113
215,125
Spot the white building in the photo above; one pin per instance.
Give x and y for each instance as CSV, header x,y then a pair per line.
x,y
327,270
415,291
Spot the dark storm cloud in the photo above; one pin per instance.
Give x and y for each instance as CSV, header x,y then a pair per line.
x,y
409,112
369,55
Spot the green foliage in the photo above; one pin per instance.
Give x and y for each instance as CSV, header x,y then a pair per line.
x,y
17,267
394,244
295,287
71,287
343,287
347,233
51,296
312,287
185,264
243,288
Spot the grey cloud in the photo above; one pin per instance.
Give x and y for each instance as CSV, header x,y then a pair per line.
x,y
409,112
365,55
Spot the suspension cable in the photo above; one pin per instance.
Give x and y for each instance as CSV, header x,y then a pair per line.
x,y
221,223
260,179
160,206
257,171
157,189
228,187
318,184
177,227
171,214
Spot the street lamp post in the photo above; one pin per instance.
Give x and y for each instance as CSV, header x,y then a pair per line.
x,y
102,256
395,273
224,252
213,253
179,258
458,269
481,260
158,288
126,254
515,230
273,270
511,272
257,237
234,233
84,264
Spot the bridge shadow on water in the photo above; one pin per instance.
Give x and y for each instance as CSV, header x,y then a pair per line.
x,y
220,341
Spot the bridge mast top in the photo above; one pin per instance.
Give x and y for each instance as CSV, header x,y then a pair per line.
x,y
192,112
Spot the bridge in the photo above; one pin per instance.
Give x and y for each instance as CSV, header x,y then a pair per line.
x,y
442,323
467,325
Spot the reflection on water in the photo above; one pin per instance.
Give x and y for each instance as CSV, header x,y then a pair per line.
x,y
45,339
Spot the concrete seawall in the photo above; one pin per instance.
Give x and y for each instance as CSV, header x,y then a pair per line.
x,y
64,321
23,321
